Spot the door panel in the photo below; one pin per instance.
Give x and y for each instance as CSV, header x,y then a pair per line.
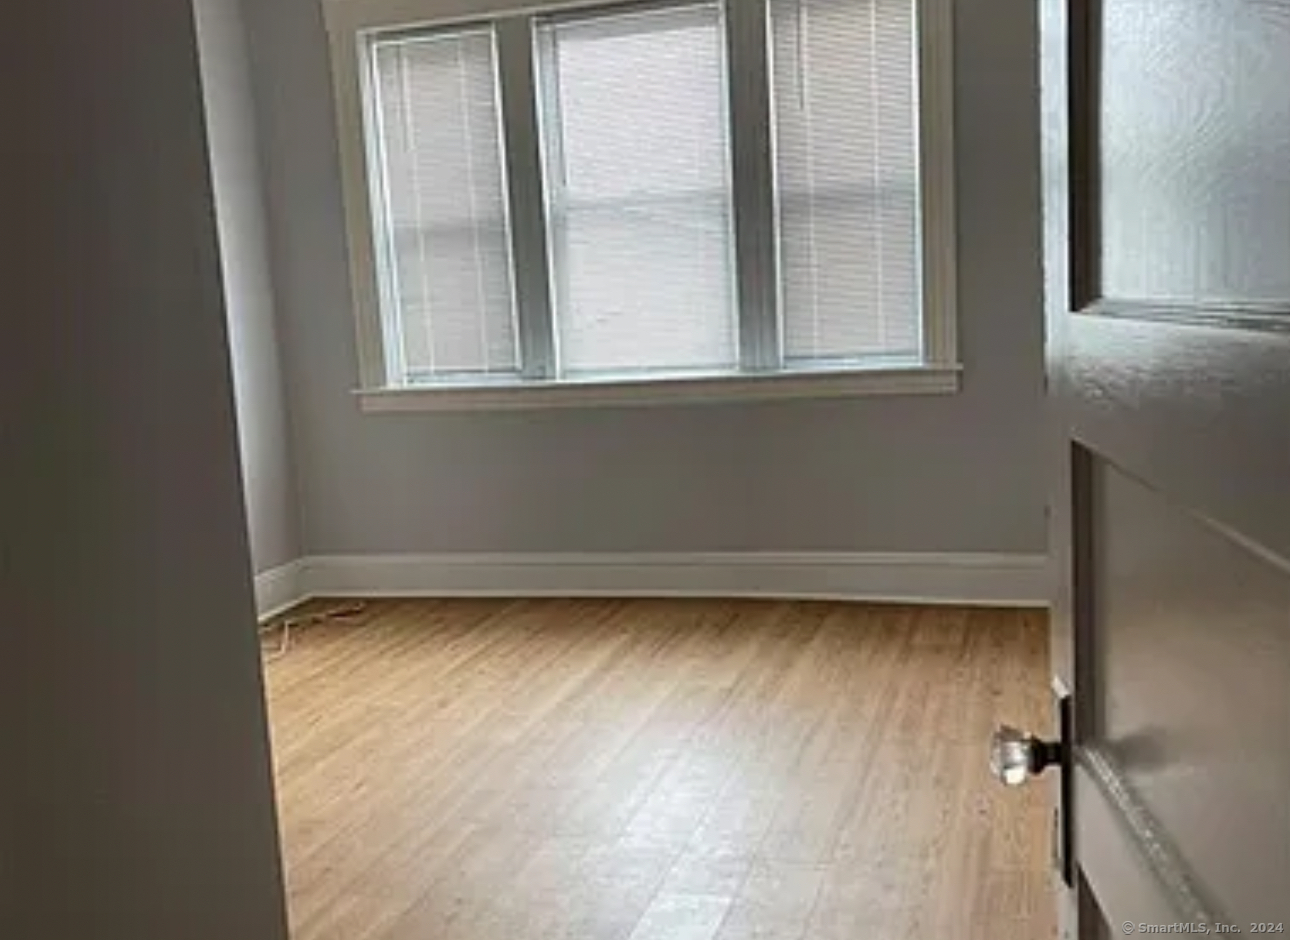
x,y
1167,263
1190,637
1194,153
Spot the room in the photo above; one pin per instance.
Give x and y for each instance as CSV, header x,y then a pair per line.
x,y
650,470
862,496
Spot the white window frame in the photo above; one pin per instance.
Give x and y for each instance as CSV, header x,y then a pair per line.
x,y
350,24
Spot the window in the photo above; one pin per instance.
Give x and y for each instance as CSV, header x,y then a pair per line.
x,y
846,170
637,170
646,200
442,221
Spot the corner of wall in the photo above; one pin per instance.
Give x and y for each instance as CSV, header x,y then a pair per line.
x,y
266,443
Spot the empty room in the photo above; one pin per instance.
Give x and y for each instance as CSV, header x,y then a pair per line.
x,y
646,470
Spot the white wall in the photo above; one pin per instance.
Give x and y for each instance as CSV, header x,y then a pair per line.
x,y
264,433
929,474
135,787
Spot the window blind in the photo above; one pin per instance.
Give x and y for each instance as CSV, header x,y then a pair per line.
x,y
847,180
636,163
442,217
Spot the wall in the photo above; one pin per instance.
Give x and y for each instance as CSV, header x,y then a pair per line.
x,y
929,474
136,797
263,429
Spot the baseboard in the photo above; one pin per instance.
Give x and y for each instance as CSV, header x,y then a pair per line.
x,y
938,578
279,589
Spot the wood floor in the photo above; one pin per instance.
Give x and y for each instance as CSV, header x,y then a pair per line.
x,y
659,770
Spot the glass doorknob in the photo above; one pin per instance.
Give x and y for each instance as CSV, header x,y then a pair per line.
x,y
1016,756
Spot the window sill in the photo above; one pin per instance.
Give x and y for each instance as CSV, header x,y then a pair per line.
x,y
611,392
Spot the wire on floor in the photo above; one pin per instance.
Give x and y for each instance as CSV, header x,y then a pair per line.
x,y
287,627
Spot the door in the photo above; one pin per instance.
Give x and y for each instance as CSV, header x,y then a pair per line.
x,y
1167,226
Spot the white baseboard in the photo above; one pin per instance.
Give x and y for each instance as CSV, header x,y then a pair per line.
x,y
279,589
938,578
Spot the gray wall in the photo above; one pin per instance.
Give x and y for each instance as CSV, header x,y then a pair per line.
x,y
957,473
263,431
135,789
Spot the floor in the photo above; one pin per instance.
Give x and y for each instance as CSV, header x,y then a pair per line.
x,y
659,770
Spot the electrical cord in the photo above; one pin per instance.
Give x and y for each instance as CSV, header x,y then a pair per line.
x,y
289,626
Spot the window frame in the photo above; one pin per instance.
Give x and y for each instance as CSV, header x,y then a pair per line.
x,y
350,25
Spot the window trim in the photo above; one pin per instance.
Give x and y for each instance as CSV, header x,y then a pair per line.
x,y
913,379
936,154
349,23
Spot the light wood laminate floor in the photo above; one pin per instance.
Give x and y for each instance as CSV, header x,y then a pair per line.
x,y
659,770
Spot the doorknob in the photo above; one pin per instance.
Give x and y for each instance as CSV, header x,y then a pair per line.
x,y
1016,756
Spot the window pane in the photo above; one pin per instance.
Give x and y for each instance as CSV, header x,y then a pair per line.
x,y
445,248
636,157
846,166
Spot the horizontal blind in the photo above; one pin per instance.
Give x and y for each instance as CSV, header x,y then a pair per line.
x,y
847,180
636,158
446,275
